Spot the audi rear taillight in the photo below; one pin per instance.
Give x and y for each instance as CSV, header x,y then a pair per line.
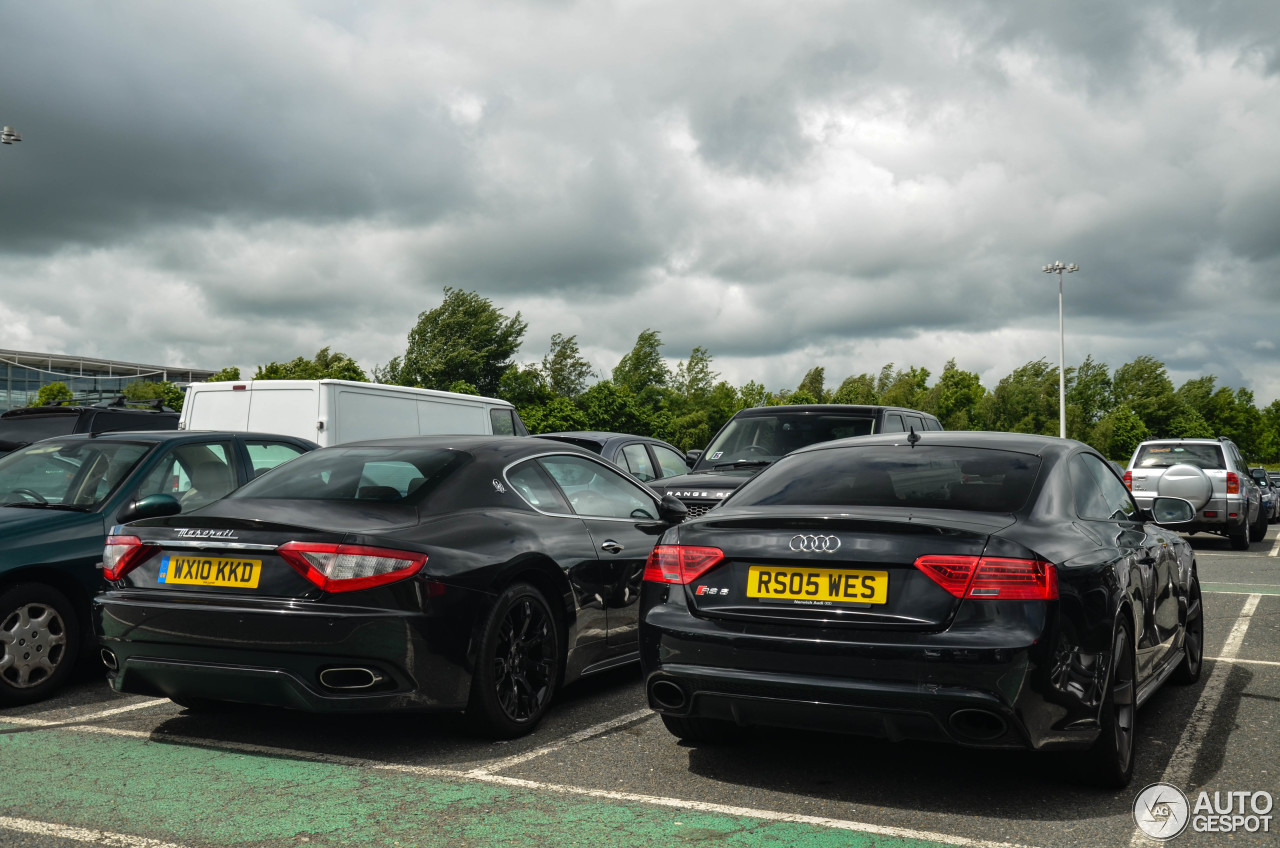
x,y
123,554
347,568
1128,480
1233,483
992,578
680,564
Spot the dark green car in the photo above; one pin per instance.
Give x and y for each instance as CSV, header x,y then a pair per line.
x,y
60,497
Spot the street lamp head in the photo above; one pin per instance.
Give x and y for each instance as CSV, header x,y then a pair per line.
x,y
1072,267
9,135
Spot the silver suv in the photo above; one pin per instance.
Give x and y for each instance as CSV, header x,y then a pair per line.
x,y
1209,473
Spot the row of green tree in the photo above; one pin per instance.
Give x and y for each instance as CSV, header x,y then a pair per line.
x,y
469,345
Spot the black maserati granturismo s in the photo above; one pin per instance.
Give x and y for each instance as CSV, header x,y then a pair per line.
x,y
429,573
988,589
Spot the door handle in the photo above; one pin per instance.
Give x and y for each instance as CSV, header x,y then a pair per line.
x,y
611,546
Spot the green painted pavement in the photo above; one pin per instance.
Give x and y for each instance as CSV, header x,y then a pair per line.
x,y
1241,588
198,796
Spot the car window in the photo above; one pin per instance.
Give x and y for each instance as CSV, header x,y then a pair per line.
x,y
893,424
264,456
764,438
79,473
636,460
195,474
596,491
1098,494
671,463
536,487
1165,455
924,477
367,474
503,422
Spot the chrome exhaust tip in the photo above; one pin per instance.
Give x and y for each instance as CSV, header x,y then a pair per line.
x,y
349,678
109,660
667,695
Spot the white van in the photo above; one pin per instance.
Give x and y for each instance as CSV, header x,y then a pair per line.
x,y
331,412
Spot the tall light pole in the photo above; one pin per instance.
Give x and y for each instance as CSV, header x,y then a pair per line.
x,y
9,135
1057,268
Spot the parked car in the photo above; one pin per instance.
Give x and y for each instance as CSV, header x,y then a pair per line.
x,y
646,458
20,427
1212,475
1270,495
58,499
755,437
979,588
432,573
334,412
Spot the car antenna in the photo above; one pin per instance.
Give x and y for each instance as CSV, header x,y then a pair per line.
x,y
913,437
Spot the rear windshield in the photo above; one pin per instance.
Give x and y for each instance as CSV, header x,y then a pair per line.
x,y
32,428
940,477
1163,456
759,439
377,474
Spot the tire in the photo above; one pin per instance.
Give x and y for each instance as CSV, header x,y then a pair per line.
x,y
39,642
1109,763
1188,671
1258,531
518,667
702,731
1239,537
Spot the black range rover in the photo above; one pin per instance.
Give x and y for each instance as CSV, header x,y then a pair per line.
x,y
754,438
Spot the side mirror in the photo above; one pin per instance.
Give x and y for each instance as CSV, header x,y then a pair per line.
x,y
691,458
152,506
1170,512
672,510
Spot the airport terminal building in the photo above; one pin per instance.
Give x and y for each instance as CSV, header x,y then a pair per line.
x,y
23,373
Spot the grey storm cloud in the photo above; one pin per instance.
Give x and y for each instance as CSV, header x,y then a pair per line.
x,y
838,184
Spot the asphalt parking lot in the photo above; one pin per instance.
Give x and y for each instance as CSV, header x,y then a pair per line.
x,y
93,767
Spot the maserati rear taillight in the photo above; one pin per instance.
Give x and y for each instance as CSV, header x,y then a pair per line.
x,y
123,554
680,564
992,578
347,568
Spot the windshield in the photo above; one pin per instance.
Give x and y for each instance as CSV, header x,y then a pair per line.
x,y
760,439
81,473
386,474
1163,456
939,477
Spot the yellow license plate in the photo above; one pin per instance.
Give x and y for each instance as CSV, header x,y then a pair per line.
x,y
818,584
209,571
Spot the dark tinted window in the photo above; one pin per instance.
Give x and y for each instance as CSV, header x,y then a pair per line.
x,y
33,428
766,437
1099,494
893,424
536,487
921,477
358,474
503,422
1163,456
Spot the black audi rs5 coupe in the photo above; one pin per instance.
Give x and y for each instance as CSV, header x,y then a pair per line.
x,y
994,590
428,573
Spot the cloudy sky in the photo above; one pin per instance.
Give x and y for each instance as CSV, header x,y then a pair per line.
x,y
841,184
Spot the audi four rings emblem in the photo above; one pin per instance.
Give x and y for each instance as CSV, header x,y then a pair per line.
x,y
816,544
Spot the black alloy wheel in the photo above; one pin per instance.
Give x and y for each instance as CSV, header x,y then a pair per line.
x,y
1110,761
1188,671
39,642
519,665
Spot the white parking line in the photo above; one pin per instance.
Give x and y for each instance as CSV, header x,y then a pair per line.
x,y
1246,662
141,705
481,776
80,834
1275,549
1178,771
571,739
